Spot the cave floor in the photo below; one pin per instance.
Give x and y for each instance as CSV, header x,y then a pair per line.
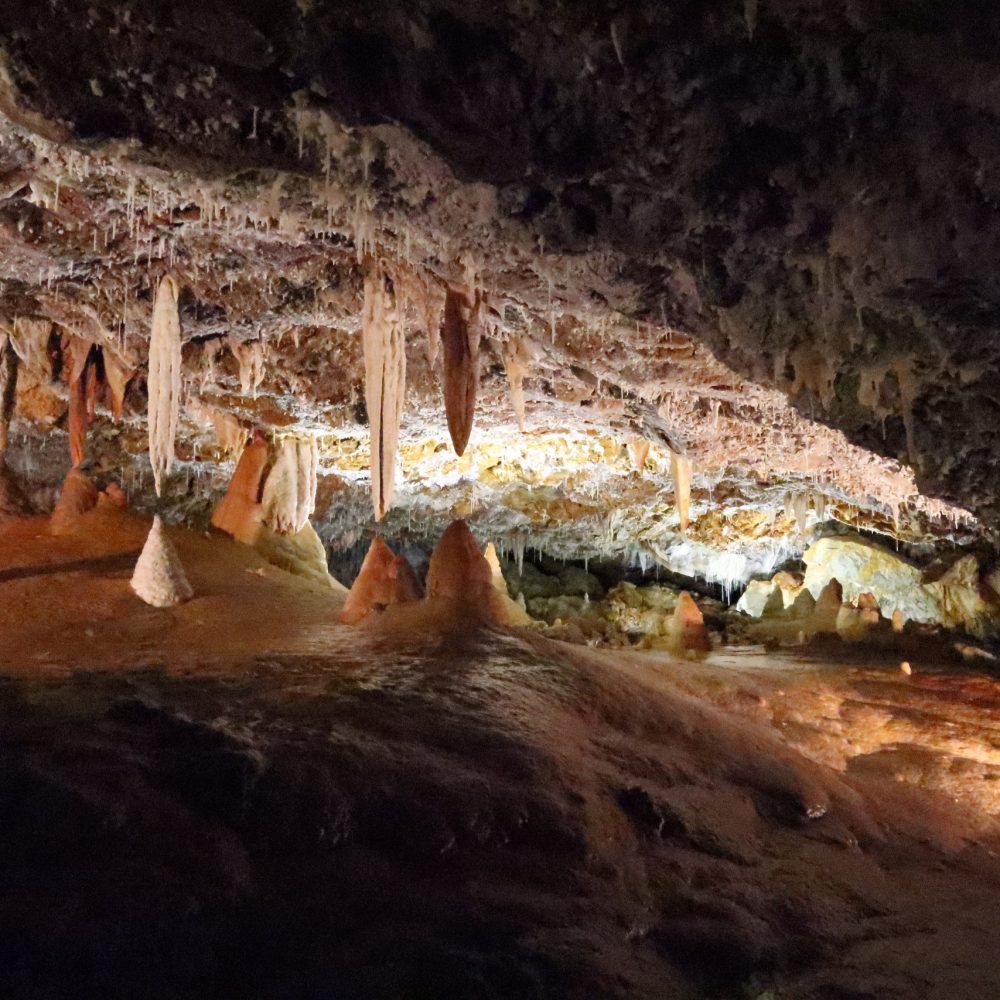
x,y
241,797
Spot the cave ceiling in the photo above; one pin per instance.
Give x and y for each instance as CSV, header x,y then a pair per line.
x,y
762,234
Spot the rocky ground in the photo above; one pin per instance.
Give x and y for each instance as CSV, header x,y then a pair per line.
x,y
240,795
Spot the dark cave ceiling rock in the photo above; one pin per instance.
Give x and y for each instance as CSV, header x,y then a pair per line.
x,y
810,190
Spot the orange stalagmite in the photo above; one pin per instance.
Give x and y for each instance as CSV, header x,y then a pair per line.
x,y
460,339
687,626
458,568
240,513
460,573
78,496
384,579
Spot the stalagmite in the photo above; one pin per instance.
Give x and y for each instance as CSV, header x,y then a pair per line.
x,y
898,621
384,579
680,470
78,496
285,494
159,577
164,380
508,610
458,569
240,512
686,629
824,616
460,339
385,383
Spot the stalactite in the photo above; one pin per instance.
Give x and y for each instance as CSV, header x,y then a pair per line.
x,y
517,358
460,339
78,418
385,383
9,362
289,494
638,450
164,380
250,357
117,376
680,470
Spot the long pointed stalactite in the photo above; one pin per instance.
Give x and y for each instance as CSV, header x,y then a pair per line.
x,y
385,382
164,380
460,340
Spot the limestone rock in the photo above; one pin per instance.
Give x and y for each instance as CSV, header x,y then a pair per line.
x,y
159,577
756,597
954,600
301,553
384,579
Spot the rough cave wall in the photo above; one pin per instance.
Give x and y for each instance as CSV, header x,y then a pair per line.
x,y
812,188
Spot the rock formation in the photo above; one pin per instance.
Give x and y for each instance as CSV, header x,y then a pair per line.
x,y
385,382
240,512
289,494
159,578
460,341
268,503
78,496
686,630
517,359
680,470
164,380
384,579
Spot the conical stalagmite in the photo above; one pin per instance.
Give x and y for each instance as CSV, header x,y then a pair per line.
x,y
159,577
78,495
240,512
687,626
458,568
384,579
164,380
680,470
460,339
510,612
385,383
